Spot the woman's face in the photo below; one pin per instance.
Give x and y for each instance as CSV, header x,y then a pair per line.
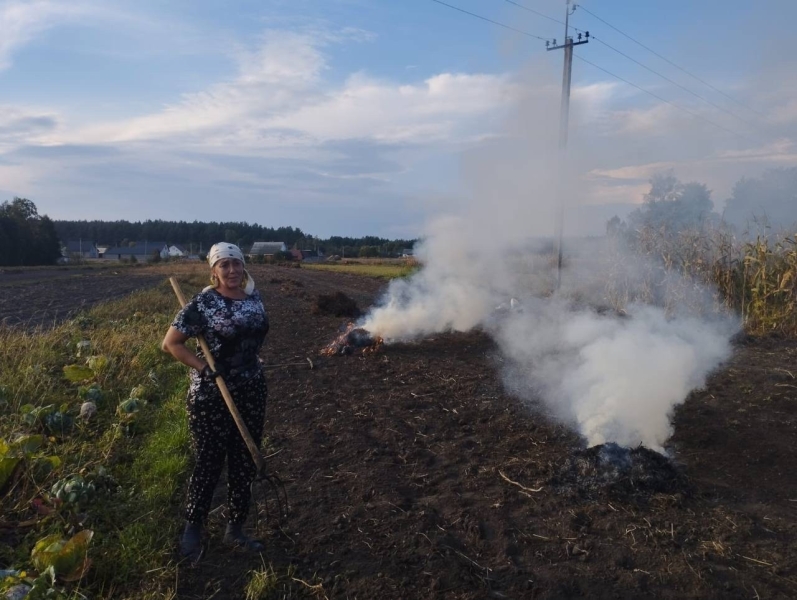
x,y
230,272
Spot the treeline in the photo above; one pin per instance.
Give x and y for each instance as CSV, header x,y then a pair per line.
x,y
196,233
758,206
199,236
26,238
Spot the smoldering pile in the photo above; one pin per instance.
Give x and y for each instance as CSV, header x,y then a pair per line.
x,y
352,340
621,472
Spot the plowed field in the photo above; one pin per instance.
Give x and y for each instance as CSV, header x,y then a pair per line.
x,y
413,474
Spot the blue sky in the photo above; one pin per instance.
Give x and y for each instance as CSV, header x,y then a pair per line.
x,y
354,117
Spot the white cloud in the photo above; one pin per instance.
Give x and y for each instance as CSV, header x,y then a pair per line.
x,y
279,99
781,150
21,22
633,172
436,110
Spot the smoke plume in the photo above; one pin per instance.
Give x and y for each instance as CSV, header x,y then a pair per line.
x,y
612,352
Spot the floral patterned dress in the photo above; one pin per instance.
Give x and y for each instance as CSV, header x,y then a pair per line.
x,y
235,331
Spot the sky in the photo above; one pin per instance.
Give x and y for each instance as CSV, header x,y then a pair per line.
x,y
355,117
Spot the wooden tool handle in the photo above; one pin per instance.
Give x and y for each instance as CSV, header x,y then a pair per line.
x,y
250,443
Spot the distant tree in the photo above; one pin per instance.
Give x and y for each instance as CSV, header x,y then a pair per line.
x,y
770,200
283,256
671,206
21,209
615,226
203,235
27,238
49,246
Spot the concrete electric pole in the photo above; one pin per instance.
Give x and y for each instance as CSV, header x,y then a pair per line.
x,y
564,120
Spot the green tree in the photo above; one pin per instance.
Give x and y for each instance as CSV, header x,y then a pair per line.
x,y
27,238
770,200
671,206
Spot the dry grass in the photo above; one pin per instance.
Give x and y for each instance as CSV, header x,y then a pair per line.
x,y
710,271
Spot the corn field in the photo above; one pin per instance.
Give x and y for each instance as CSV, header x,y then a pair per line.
x,y
711,270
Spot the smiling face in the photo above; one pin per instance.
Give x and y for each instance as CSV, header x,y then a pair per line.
x,y
229,272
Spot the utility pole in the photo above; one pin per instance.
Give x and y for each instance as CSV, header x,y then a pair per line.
x,y
564,122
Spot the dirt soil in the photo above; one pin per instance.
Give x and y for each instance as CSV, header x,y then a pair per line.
x,y
41,297
412,474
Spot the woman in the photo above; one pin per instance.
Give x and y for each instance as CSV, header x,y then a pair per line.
x,y
231,317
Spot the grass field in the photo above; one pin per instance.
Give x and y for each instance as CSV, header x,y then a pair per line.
x,y
119,472
376,268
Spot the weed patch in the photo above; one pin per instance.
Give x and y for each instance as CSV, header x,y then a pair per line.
x,y
93,441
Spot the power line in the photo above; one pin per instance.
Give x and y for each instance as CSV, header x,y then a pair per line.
x,y
632,59
544,16
673,104
462,10
667,60
539,14
675,83
526,33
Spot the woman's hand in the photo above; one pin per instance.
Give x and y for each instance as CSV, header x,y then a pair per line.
x,y
212,375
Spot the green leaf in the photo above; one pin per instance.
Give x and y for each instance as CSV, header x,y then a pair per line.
x,y
78,373
67,558
42,466
7,466
97,363
131,406
27,444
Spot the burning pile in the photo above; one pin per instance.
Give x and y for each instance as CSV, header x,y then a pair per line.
x,y
621,472
351,340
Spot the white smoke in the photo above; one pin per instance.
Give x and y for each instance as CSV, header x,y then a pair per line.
x,y
615,375
617,378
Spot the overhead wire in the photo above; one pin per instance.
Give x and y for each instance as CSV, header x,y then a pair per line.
x,y
644,66
544,16
675,83
462,10
536,12
673,104
667,60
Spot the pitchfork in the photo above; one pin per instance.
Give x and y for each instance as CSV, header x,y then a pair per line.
x,y
268,482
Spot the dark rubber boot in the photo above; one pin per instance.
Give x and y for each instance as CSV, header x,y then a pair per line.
x,y
235,536
191,542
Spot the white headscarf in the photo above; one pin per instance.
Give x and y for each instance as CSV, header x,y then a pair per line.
x,y
225,250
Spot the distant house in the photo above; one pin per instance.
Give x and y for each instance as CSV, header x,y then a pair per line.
x,y
177,251
80,249
307,255
141,251
267,248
